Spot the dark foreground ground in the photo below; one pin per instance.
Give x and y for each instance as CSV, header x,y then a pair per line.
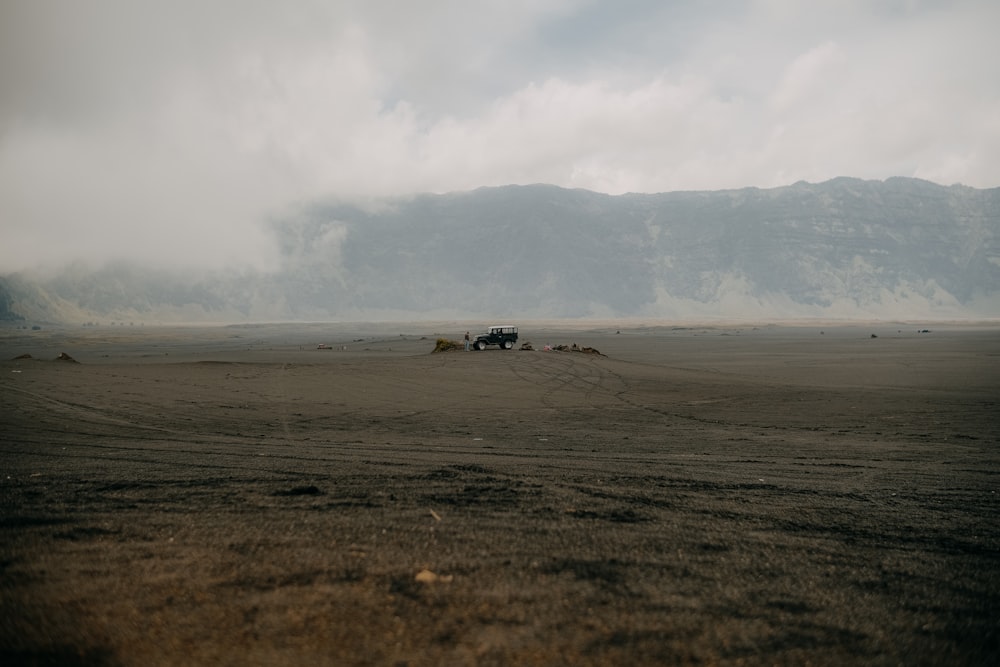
x,y
694,496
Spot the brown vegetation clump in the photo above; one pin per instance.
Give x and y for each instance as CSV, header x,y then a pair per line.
x,y
576,348
443,345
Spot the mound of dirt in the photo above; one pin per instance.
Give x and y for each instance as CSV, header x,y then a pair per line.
x,y
576,348
444,345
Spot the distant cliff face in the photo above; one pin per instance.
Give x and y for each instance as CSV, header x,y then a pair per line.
x,y
845,248
841,245
8,310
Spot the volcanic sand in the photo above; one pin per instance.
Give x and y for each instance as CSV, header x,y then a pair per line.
x,y
693,495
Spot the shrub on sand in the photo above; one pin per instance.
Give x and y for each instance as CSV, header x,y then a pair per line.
x,y
443,345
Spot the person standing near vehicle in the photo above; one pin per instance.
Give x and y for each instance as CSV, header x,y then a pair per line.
x,y
466,341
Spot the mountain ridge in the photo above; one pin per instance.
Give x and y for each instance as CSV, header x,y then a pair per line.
x,y
844,248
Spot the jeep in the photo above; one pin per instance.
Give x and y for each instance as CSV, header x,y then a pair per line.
x,y
504,336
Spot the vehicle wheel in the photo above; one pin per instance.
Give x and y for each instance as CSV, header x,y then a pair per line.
x,y
480,345
507,344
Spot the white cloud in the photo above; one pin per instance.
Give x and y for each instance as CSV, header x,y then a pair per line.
x,y
170,132
811,74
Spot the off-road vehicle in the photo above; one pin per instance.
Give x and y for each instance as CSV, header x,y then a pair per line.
x,y
504,336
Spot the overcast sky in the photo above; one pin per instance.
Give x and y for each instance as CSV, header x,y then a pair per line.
x,y
171,131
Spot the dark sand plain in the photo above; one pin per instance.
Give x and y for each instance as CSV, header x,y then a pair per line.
x,y
698,495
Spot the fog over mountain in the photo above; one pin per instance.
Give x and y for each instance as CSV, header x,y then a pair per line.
x,y
846,248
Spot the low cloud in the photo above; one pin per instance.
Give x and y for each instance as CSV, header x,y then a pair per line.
x,y
173,133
